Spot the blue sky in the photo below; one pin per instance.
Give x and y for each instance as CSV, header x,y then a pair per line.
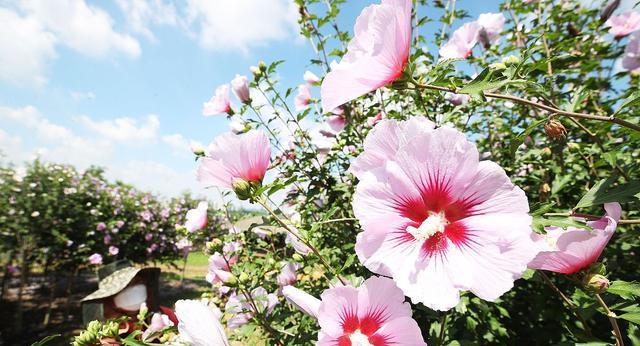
x,y
121,84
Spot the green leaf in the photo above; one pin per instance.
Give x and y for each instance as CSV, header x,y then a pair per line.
x,y
632,100
519,139
600,194
633,317
45,340
348,262
132,341
539,223
626,290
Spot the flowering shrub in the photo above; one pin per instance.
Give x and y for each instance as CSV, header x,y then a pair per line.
x,y
423,202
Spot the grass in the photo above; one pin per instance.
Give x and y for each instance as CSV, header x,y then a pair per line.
x,y
196,267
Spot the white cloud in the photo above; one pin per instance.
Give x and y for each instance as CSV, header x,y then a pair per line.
x,y
82,95
179,145
83,28
25,49
241,24
124,129
157,177
141,14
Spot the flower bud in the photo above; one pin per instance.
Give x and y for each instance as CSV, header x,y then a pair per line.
x,y
86,338
546,151
596,283
244,277
197,149
242,188
573,146
262,66
554,129
498,66
240,87
111,329
510,60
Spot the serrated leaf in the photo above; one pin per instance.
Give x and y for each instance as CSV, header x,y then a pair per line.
x,y
624,289
519,139
600,193
632,100
348,262
633,317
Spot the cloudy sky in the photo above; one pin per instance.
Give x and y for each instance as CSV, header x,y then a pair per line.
x,y
121,83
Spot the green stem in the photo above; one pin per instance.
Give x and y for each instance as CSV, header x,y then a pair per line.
x,y
612,319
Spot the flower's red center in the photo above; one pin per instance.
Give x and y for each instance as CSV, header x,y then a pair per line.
x,y
435,220
363,331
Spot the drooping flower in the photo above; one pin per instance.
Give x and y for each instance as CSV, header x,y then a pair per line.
x,y
492,25
373,314
624,23
436,219
95,259
301,100
113,250
219,103
461,42
457,99
631,58
199,324
240,87
197,218
287,274
375,56
234,158
311,78
570,251
219,270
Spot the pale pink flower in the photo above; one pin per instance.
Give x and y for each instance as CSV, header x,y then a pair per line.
x,y
241,309
287,274
299,246
631,58
336,123
570,251
95,259
624,23
196,219
373,314
158,323
240,87
492,25
236,157
219,270
219,103
437,219
101,226
372,121
375,56
301,100
457,99
113,250
311,78
184,245
461,42
199,324
229,248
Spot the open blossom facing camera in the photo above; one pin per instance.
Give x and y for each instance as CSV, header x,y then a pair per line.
x,y
375,56
236,159
570,251
373,314
436,219
199,324
219,103
461,43
95,259
624,23
197,218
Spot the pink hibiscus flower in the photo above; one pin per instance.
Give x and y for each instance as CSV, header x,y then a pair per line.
x,y
311,78
436,219
461,42
95,259
375,56
220,270
240,87
287,274
631,58
301,100
570,251
219,103
373,314
234,158
624,23
197,218
492,25
336,123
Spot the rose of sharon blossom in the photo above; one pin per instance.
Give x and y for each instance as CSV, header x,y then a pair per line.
x,y
113,250
624,23
197,218
95,259
375,56
220,270
101,226
311,78
219,103
461,42
241,309
570,251
631,58
199,324
437,219
373,314
287,275
240,87
336,123
234,158
301,100
158,323
492,25
457,99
